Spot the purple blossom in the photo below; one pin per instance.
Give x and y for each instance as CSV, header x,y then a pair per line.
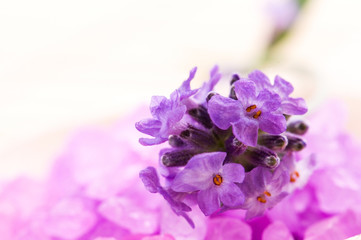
x,y
299,171
167,114
151,182
252,110
214,181
290,106
263,190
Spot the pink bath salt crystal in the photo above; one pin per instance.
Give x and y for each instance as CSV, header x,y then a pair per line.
x,y
228,228
340,226
105,238
277,231
159,237
101,164
131,214
70,218
179,228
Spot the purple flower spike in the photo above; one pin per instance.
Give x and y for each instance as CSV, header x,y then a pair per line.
x,y
215,181
251,111
263,190
151,182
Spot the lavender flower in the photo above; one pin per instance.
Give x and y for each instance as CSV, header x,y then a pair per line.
x,y
216,142
167,114
289,106
263,191
214,181
252,110
151,182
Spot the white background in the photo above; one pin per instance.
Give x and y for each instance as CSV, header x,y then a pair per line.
x,y
67,64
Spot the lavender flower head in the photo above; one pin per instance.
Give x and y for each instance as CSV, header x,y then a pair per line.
x,y
236,152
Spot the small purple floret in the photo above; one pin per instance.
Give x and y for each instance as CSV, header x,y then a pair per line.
x,y
167,114
290,106
214,181
263,190
252,110
151,182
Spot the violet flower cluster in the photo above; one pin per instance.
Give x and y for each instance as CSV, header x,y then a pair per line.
x,y
234,152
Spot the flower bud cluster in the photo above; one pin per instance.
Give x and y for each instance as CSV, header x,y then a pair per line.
x,y
235,152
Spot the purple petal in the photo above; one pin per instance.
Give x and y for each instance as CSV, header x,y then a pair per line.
x,y
260,79
198,173
245,90
159,105
223,111
282,87
255,212
274,200
151,141
208,201
207,162
184,90
277,231
246,131
268,102
233,172
255,181
272,123
230,194
149,126
150,179
174,116
294,106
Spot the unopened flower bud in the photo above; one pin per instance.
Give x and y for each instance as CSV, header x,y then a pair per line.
x,y
298,127
232,94
295,143
235,78
177,158
273,142
198,137
235,147
176,141
201,115
210,95
261,156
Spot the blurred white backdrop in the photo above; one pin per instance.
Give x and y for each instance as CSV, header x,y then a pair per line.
x,y
67,64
